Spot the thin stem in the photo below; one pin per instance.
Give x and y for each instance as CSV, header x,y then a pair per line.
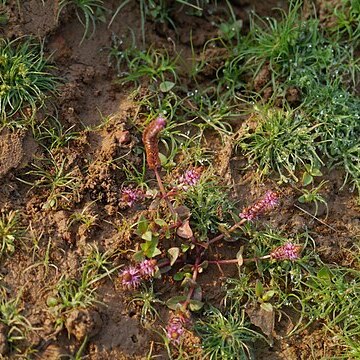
x,y
235,261
163,192
221,236
194,277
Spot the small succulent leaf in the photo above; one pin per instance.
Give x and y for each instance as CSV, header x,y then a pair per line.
x,y
307,179
160,222
147,235
142,226
324,273
259,289
174,254
173,302
179,276
139,256
166,86
203,266
195,305
268,295
198,293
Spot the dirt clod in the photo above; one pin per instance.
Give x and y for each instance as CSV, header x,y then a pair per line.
x,y
82,322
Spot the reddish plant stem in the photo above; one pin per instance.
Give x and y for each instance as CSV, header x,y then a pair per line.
x,y
194,277
164,194
221,236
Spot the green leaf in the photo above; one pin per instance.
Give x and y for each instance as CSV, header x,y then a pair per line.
x,y
179,276
175,302
316,172
148,235
185,247
174,254
239,256
195,305
166,86
268,295
307,179
163,159
139,256
197,294
302,199
324,273
142,226
160,222
259,290
267,307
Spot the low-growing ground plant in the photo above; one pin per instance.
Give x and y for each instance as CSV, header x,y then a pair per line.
x,y
25,80
11,232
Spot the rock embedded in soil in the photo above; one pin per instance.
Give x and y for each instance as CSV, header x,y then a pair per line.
x,y
83,322
4,345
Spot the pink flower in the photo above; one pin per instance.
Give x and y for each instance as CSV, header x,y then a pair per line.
x,y
190,177
269,201
175,327
147,268
288,251
131,277
130,195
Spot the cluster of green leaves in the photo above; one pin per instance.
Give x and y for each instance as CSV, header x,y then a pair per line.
x,y
10,232
25,78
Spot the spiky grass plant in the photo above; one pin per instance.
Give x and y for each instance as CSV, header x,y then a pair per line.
x,y
281,141
226,336
25,77
17,325
88,13
61,183
10,232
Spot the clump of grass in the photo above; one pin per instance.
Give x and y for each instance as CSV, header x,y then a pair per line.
x,y
25,78
61,184
17,325
88,13
154,65
147,300
72,293
209,205
281,141
226,336
10,232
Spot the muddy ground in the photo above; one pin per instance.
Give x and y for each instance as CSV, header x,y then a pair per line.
x,y
88,95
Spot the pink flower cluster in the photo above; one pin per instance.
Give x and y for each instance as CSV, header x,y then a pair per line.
x,y
176,327
269,201
190,177
287,251
129,196
132,276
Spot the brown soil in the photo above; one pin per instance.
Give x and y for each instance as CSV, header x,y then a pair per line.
x,y
88,94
